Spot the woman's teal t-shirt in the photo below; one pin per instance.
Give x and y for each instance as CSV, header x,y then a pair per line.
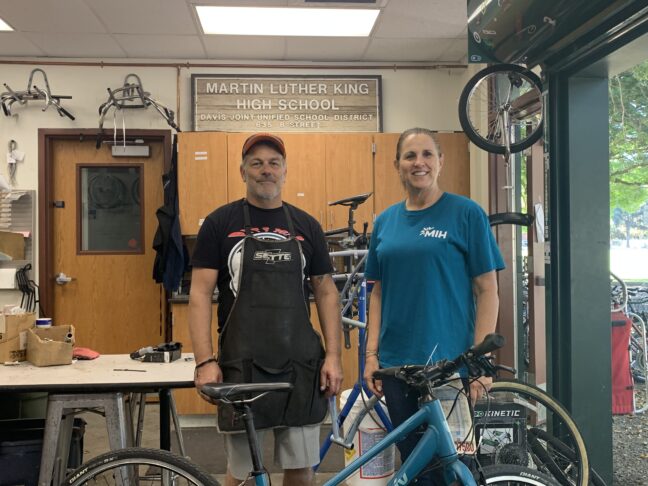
x,y
425,261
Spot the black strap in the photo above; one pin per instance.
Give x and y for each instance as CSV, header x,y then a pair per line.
x,y
291,228
247,221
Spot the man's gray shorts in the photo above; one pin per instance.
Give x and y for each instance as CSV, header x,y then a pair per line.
x,y
294,448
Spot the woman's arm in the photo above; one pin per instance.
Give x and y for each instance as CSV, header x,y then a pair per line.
x,y
487,300
372,335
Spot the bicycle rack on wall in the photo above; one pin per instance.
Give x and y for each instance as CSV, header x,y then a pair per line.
x,y
131,96
33,93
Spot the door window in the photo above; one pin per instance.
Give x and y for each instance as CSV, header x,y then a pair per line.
x,y
111,212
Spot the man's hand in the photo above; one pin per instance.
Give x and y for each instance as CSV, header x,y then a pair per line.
x,y
375,386
208,373
331,376
479,387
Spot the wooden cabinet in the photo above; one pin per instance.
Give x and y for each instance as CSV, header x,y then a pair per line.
x,y
455,174
202,177
349,172
187,400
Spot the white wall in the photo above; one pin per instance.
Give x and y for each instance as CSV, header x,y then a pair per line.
x,y
425,97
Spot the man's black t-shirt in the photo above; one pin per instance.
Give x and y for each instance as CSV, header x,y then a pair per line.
x,y
220,240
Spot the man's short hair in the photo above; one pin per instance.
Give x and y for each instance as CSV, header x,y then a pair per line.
x,y
266,139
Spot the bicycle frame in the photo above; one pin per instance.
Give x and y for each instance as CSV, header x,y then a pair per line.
x,y
360,385
435,443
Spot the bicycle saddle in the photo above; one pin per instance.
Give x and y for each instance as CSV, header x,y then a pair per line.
x,y
353,200
236,391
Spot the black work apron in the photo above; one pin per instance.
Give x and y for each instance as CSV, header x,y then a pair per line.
x,y
268,336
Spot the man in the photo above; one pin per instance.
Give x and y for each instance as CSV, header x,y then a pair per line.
x,y
258,251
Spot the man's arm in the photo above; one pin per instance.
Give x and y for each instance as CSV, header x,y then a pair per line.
x,y
203,282
487,300
327,300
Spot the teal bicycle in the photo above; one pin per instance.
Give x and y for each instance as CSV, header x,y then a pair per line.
x,y
436,447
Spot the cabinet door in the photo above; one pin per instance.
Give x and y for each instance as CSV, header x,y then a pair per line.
x,y
202,177
388,189
187,400
304,185
455,175
349,172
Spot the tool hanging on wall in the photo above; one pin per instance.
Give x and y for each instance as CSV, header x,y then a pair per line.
x,y
29,289
34,93
130,95
13,156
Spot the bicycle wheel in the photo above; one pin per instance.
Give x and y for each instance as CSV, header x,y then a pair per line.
x,y
507,424
139,467
510,475
506,99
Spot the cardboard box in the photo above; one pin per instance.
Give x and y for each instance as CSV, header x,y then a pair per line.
x,y
11,325
12,246
49,347
13,336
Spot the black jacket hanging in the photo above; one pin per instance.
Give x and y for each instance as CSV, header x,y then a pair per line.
x,y
172,256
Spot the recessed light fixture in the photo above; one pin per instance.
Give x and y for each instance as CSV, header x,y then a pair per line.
x,y
4,26
319,22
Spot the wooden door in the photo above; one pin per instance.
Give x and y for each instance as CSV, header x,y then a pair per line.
x,y
202,177
455,175
103,222
349,172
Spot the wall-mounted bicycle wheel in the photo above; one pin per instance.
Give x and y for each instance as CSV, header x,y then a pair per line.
x,y
502,102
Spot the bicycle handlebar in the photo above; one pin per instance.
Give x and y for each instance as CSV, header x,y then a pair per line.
x,y
421,376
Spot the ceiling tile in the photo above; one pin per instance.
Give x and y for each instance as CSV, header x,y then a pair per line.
x,y
456,52
71,16
76,45
326,49
145,16
245,47
16,44
422,18
404,50
161,46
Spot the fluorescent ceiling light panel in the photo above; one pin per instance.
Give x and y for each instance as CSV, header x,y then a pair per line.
x,y
318,22
4,25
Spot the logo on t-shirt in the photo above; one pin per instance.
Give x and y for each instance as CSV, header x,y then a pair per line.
x,y
431,232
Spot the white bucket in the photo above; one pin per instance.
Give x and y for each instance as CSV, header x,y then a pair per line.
x,y
380,469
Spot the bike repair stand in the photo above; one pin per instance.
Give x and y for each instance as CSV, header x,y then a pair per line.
x,y
360,385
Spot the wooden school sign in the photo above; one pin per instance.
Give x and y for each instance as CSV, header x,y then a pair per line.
x,y
240,103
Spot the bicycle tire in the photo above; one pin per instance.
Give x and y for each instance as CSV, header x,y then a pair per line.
x,y
511,475
538,410
109,468
475,104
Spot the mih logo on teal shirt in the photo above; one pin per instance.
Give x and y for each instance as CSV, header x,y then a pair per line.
x,y
430,232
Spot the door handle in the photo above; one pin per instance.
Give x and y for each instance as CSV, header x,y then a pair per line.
x,y
63,279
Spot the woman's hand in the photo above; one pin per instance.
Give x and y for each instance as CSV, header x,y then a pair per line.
x,y
371,365
479,387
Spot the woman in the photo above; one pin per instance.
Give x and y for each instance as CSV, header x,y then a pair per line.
x,y
433,258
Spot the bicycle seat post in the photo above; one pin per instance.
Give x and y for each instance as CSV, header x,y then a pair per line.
x,y
253,441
